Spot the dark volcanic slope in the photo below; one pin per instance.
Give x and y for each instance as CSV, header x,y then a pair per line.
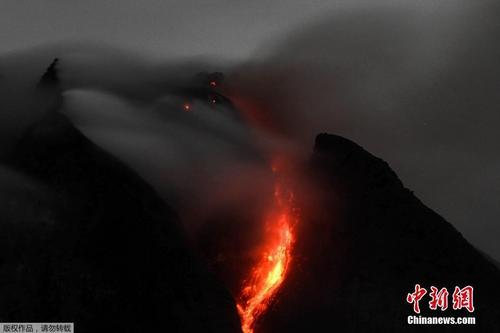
x,y
363,245
98,247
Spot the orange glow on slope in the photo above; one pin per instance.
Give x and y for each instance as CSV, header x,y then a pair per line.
x,y
271,268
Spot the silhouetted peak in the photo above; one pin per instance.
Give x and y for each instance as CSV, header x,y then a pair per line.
x,y
50,77
363,244
354,166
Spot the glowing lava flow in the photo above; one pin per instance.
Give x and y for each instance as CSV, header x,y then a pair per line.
x,y
271,268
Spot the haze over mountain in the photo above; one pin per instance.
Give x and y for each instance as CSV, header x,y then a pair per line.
x,y
415,82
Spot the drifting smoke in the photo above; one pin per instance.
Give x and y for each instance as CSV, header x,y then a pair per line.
x,y
414,82
172,126
133,109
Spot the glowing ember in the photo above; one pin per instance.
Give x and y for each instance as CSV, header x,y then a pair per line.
x,y
270,271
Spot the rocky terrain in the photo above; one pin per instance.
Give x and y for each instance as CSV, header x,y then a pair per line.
x,y
364,242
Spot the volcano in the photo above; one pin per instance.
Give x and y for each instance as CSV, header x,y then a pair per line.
x,y
101,249
361,245
364,241
89,241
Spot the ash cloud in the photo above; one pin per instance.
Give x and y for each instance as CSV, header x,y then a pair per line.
x,y
414,83
205,163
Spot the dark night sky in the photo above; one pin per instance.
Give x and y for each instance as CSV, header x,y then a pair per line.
x,y
445,147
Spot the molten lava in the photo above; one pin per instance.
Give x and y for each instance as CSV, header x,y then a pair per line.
x,y
272,266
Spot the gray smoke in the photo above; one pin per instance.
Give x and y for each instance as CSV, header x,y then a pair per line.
x,y
202,162
416,84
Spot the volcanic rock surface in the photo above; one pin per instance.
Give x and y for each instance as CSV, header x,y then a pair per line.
x,y
363,243
95,245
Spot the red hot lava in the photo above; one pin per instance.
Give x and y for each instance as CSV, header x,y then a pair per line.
x,y
270,271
